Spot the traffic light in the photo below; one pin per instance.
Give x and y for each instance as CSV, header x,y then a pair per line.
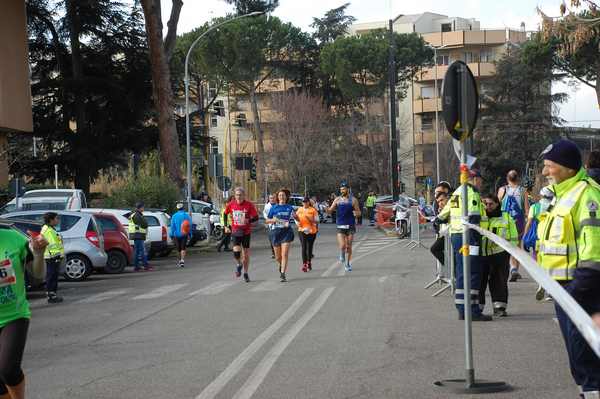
x,y
253,170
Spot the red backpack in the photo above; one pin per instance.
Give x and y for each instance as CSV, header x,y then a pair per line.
x,y
185,227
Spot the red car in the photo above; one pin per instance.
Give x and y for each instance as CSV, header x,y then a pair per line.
x,y
116,243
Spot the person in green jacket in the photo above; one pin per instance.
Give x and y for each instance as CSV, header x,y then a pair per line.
x,y
370,205
54,255
495,261
16,255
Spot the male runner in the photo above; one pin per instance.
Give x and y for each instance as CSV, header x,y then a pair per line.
x,y
347,210
243,215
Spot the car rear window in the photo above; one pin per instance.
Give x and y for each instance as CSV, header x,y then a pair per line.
x,y
25,227
92,226
66,221
152,221
107,224
45,206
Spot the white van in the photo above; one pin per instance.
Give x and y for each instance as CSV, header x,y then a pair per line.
x,y
50,200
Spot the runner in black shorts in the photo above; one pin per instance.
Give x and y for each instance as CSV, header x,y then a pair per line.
x,y
347,210
243,215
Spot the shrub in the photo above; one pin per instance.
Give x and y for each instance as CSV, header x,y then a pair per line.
x,y
153,191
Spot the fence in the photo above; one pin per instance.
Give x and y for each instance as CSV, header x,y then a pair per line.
x,y
444,272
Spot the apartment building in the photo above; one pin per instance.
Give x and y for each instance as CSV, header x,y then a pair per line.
x,y
15,93
453,38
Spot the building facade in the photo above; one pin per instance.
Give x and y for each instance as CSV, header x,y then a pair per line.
x,y
15,92
453,38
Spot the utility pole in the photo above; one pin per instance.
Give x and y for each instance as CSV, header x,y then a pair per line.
x,y
393,132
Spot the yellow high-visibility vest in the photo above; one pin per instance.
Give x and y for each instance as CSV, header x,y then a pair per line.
x,y
55,246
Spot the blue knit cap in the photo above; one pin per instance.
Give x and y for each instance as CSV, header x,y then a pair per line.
x,y
565,153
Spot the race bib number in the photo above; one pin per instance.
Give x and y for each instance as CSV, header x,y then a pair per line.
x,y
281,224
239,218
343,226
7,273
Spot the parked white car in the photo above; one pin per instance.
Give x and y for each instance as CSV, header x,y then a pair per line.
x,y
159,224
48,200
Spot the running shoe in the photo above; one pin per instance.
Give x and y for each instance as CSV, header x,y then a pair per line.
x,y
283,279
540,293
500,312
148,269
348,267
246,278
305,267
309,266
181,263
238,271
514,275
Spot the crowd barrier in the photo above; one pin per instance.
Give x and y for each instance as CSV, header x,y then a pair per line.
x,y
383,213
578,316
444,272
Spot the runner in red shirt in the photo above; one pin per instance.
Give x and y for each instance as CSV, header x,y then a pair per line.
x,y
243,215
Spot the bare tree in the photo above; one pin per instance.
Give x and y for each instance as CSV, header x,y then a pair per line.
x,y
160,54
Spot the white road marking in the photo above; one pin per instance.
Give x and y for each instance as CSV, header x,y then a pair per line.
x,y
267,286
103,296
383,278
238,363
263,368
214,288
160,291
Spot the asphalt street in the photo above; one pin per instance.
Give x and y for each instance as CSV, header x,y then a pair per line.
x,y
199,333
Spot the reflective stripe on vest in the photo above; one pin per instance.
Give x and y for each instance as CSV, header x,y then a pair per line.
x,y
558,246
133,228
55,246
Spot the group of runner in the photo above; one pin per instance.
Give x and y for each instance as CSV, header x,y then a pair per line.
x,y
280,216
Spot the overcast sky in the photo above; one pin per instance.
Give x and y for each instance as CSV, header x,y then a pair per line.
x,y
581,109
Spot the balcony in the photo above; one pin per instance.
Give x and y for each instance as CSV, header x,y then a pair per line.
x,y
473,37
426,105
479,69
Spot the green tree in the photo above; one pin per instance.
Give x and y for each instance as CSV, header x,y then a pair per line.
x,y
575,39
243,7
90,97
359,64
518,115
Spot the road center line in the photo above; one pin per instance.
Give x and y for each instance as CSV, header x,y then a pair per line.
x,y
236,365
263,368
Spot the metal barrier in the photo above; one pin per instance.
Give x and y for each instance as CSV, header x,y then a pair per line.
x,y
415,229
578,316
444,273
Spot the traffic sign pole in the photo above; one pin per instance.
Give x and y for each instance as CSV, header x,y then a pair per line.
x,y
460,108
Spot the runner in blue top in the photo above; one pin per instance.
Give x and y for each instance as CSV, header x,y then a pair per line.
x,y
347,209
282,235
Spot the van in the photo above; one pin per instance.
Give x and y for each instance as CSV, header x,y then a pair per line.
x,y
48,200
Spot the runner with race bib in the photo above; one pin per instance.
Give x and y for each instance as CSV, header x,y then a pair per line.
x,y
347,210
282,235
243,215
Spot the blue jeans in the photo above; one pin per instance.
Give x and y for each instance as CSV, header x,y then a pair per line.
x,y
459,297
371,213
139,254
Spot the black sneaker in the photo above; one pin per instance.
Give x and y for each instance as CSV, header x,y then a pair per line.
x,y
500,312
181,263
283,279
481,317
54,299
246,278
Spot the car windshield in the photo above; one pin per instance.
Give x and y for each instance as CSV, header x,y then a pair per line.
x,y
8,208
46,206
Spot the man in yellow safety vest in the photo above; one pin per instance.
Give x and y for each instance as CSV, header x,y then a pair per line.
x,y
137,229
453,212
569,250
54,255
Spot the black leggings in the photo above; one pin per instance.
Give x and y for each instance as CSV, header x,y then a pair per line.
x,y
12,344
307,241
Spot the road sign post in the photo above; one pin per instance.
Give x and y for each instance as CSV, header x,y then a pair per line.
x,y
460,109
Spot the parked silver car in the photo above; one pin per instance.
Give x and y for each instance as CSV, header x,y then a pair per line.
x,y
83,240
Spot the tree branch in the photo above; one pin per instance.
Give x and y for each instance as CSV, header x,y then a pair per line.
x,y
171,37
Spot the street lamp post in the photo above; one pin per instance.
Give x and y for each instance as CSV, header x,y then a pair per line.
x,y
187,101
437,122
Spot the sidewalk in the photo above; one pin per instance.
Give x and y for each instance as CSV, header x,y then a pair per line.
x,y
524,349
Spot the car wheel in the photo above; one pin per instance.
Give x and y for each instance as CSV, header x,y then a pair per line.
x,y
217,233
77,268
116,262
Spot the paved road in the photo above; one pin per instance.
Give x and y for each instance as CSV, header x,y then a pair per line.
x,y
199,333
